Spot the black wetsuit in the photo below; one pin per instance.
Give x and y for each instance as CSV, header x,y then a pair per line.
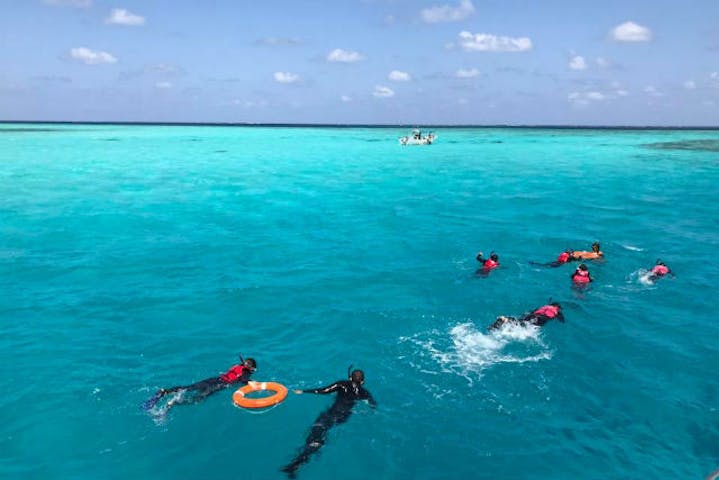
x,y
348,393
200,390
533,318
553,264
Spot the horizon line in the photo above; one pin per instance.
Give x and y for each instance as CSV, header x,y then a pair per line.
x,y
362,125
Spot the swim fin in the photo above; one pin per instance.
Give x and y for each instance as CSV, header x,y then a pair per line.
x,y
152,401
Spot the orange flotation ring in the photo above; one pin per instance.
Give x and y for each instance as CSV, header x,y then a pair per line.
x,y
241,400
587,255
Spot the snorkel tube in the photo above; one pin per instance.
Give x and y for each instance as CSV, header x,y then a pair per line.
x,y
349,372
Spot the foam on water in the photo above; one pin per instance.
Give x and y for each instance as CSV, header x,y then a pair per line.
x,y
467,351
642,276
159,412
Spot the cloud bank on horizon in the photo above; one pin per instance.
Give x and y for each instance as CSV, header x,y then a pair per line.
x,y
362,61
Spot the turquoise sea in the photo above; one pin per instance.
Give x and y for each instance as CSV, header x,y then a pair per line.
x,y
139,257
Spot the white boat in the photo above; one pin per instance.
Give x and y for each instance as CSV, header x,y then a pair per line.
x,y
418,139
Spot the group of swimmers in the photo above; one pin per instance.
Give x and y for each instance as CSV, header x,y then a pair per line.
x,y
580,279
348,392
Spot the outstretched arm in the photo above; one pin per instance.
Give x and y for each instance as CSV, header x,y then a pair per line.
x,y
321,391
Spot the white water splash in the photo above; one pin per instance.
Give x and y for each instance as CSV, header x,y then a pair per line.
x,y
642,276
470,351
474,349
159,411
633,248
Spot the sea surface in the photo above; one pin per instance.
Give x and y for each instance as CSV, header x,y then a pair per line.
x,y
140,257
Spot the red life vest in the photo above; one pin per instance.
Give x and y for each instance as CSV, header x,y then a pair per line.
x,y
581,276
233,374
563,257
549,311
660,270
490,264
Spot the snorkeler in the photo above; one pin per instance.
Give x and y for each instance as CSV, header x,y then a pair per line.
x,y
564,257
488,264
538,317
348,392
659,270
593,255
236,374
581,275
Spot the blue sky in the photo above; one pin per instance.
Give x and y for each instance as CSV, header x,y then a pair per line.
x,y
580,62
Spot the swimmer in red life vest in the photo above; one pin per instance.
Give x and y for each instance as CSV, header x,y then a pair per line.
x,y
564,257
488,264
581,275
538,317
659,270
236,374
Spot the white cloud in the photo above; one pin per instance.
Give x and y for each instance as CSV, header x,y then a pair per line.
x,y
467,73
397,76
91,57
448,13
383,92
344,56
70,3
250,103
279,41
286,77
619,90
714,78
120,16
485,42
690,85
652,91
577,63
603,62
165,69
631,32
346,98
585,98
163,85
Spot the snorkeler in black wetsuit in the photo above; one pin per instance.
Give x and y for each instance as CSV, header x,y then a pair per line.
x,y
348,392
